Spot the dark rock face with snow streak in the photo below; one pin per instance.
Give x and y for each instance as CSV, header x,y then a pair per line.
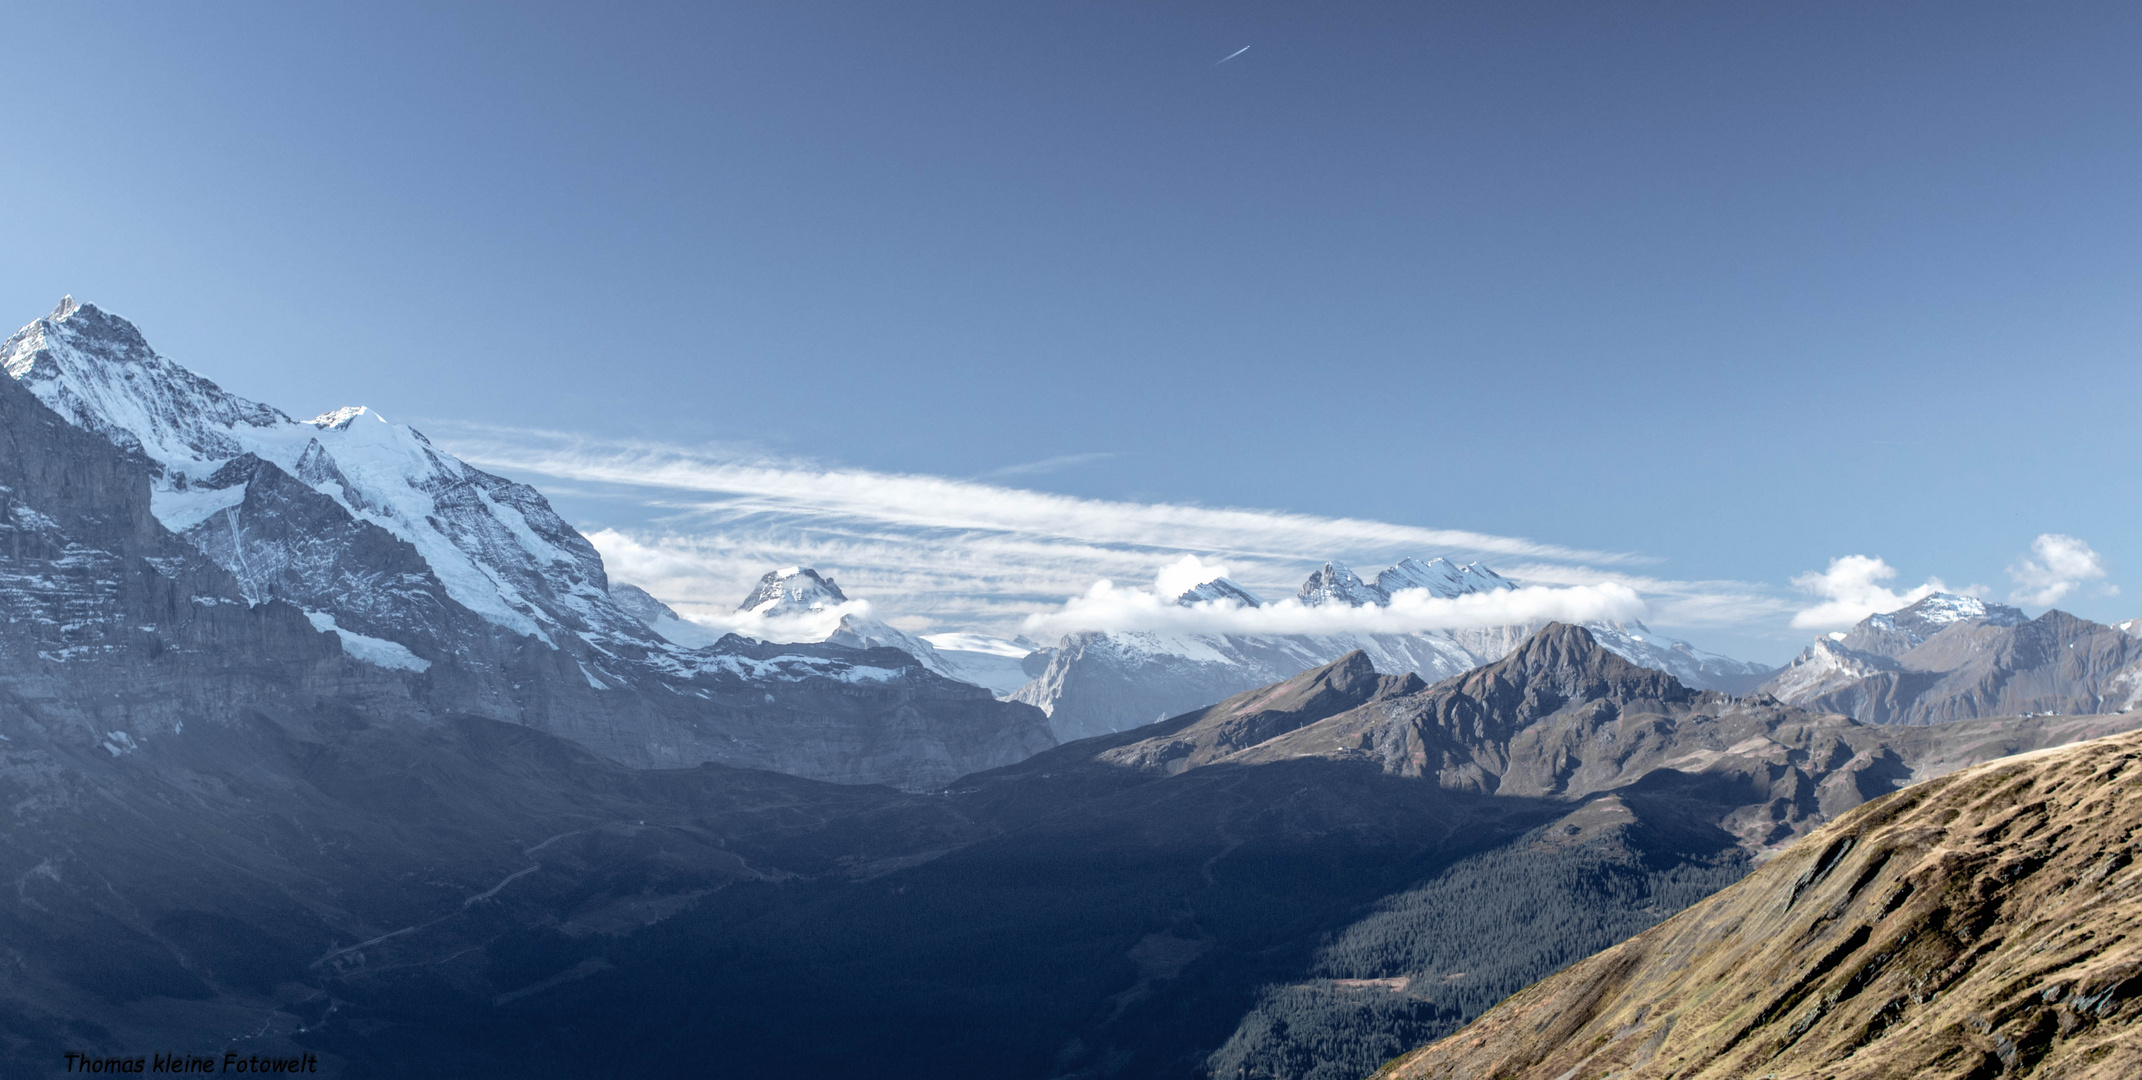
x,y
116,631
464,590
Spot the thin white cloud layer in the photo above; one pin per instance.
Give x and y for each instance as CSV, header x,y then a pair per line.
x,y
802,626
1107,607
2056,565
1672,603
942,554
1851,589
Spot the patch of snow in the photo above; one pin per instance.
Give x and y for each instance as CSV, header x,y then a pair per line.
x,y
180,510
378,652
978,643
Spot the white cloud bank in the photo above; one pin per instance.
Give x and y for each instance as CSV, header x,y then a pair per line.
x,y
1105,606
1851,589
2056,565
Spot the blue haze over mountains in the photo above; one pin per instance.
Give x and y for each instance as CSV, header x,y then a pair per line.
x,y
469,806
1052,541
1712,267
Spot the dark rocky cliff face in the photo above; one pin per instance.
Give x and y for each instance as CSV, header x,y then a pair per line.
x,y
116,630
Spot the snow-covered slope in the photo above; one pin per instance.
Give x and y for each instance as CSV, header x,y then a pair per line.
x,y
797,603
496,546
1824,667
992,662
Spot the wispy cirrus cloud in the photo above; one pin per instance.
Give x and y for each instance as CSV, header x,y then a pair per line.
x,y
1046,465
942,553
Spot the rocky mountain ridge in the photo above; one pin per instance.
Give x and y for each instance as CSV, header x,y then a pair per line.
x,y
1563,717
1623,775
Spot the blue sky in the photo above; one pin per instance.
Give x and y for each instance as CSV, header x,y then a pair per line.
x,y
1693,293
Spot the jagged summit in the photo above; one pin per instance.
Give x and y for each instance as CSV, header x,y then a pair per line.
x,y
1334,583
1567,661
792,590
812,607
96,370
343,417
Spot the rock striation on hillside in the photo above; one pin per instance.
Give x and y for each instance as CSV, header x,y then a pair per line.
x,y
461,590
1982,924
1950,657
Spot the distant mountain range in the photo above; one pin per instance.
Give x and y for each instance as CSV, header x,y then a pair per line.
x,y
1097,682
314,738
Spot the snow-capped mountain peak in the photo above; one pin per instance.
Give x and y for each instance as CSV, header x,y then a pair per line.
x,y
496,546
792,590
1895,632
1334,583
97,370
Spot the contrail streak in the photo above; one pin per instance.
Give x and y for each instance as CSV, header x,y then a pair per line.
x,y
1230,56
